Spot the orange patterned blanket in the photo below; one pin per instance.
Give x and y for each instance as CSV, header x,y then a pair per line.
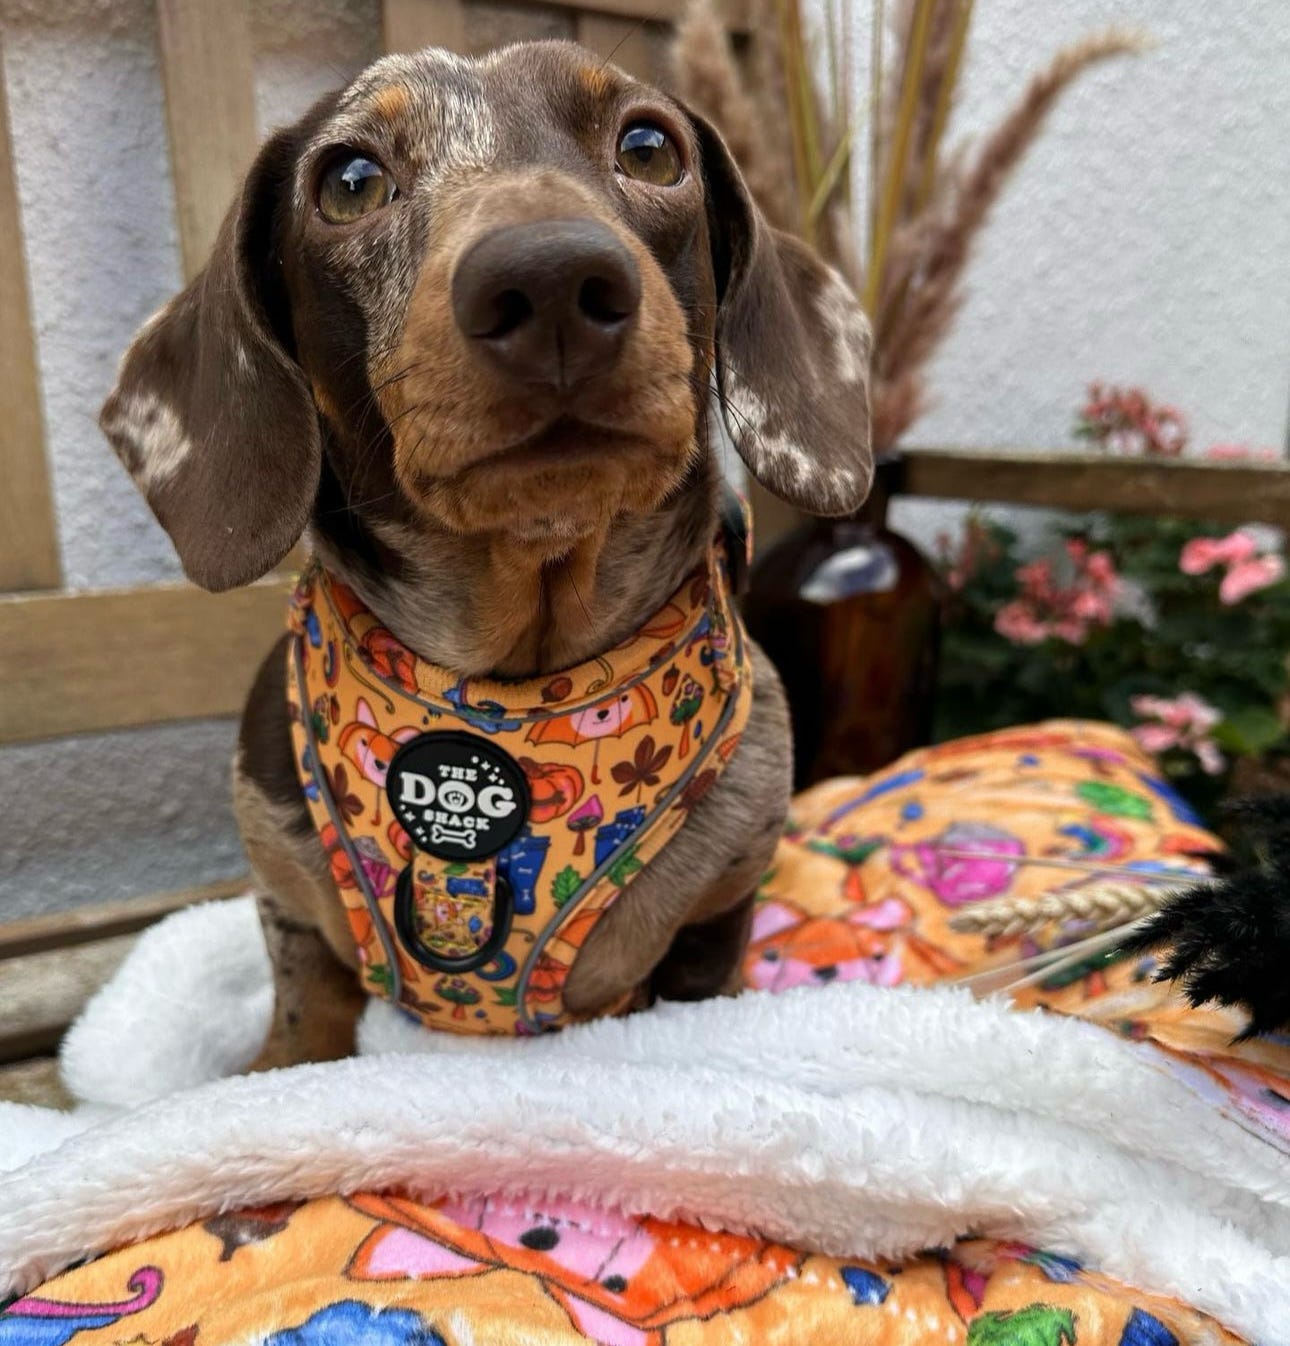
x,y
866,887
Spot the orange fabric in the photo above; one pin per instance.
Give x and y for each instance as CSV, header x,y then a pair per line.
x,y
390,1271
872,871
863,888
614,755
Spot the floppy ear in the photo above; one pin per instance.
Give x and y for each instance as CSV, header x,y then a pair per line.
x,y
210,414
793,349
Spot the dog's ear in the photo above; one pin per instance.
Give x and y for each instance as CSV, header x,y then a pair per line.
x,y
792,353
210,414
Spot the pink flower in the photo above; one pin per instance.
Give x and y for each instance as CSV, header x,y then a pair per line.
x,y
1156,738
1017,622
1100,568
1091,606
1185,722
1210,758
1124,421
1248,570
1044,608
1204,553
1247,577
1070,629
1037,577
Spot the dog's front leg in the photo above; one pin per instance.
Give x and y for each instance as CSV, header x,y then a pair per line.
x,y
682,924
316,993
316,999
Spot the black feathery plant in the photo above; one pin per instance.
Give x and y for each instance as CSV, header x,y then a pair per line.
x,y
1228,941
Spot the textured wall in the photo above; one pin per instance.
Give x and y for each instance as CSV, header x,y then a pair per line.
x,y
1145,240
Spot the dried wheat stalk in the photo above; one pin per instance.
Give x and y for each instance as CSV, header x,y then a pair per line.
x,y
1104,905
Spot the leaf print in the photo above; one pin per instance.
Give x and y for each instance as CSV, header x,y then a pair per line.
x,y
505,995
350,805
1035,1325
624,867
1115,800
696,789
644,767
564,885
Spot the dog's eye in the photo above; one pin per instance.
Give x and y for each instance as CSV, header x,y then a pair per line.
x,y
647,153
352,187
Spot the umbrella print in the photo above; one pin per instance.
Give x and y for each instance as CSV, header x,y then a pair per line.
x,y
607,719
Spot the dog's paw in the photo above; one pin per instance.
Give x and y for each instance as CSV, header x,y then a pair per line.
x,y
1229,942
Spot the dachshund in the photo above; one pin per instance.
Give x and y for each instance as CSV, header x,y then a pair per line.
x,y
478,331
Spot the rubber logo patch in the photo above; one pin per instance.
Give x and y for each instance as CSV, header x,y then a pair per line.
x,y
458,797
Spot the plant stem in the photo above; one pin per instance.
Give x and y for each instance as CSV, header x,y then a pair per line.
x,y
898,163
944,101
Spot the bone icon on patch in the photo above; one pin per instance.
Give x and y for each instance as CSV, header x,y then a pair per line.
x,y
457,836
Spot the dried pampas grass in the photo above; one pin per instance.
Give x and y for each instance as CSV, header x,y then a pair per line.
x,y
919,292
713,85
792,134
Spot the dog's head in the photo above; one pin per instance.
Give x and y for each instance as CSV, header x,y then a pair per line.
x,y
486,297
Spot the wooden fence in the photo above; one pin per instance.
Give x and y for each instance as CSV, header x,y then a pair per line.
x,y
77,663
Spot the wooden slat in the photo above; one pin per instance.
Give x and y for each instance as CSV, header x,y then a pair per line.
x,y
28,534
634,45
75,663
208,68
106,920
412,24
735,12
409,25
40,995
1223,492
35,1082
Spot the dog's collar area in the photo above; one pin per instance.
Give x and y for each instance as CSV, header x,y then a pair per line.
x,y
477,829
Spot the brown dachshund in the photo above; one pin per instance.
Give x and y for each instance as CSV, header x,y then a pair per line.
x,y
462,331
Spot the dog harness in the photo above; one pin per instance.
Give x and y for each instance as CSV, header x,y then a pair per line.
x,y
477,830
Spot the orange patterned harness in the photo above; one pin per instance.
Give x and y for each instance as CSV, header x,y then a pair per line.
x,y
477,830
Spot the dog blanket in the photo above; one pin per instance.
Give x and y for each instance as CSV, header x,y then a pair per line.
x,y
772,1169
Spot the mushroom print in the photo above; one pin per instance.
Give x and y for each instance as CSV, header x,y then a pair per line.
x,y
684,709
586,818
458,994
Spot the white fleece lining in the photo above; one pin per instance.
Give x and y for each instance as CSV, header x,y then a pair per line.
x,y
854,1120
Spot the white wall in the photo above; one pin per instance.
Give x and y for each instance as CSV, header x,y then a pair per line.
x,y
1146,240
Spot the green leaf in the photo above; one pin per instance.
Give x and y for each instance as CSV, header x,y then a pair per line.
x,y
624,867
1250,730
1035,1325
565,884
1114,800
505,995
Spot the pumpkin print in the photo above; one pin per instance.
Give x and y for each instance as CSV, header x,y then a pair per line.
x,y
554,788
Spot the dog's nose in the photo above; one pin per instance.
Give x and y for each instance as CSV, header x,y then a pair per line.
x,y
550,303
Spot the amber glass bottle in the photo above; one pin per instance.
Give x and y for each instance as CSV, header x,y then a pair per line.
x,y
849,612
